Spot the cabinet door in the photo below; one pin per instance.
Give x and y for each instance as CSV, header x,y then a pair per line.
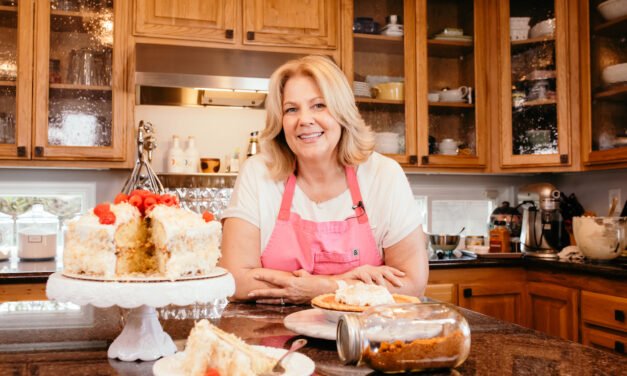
x,y
604,85
553,310
451,94
302,23
382,69
535,113
205,20
79,80
444,292
16,54
503,301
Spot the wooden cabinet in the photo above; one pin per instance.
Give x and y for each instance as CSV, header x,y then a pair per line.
x,y
604,321
451,83
535,123
553,310
603,87
67,98
504,301
309,24
444,292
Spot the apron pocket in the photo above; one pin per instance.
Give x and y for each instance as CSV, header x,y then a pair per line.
x,y
328,263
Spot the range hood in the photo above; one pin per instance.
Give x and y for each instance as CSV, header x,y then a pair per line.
x,y
193,76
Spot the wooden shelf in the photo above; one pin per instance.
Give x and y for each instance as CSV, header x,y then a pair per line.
x,y
378,43
449,48
616,93
8,83
451,105
69,13
378,101
80,87
523,44
8,17
614,28
8,8
539,102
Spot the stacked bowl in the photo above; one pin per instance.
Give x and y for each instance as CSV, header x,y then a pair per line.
x,y
387,142
519,28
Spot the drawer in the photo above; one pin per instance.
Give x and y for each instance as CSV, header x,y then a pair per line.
x,y
604,339
604,310
444,292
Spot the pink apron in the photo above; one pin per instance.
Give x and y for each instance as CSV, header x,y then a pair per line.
x,y
333,247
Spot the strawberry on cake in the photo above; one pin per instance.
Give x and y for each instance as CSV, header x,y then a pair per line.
x,y
142,234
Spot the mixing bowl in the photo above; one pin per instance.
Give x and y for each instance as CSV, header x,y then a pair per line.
x,y
443,242
600,238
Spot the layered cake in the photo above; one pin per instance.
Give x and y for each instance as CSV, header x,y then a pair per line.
x,y
142,235
210,350
358,297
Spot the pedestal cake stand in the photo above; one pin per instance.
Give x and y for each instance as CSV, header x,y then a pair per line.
x,y
143,337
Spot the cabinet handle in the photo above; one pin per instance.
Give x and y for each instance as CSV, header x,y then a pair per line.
x,y
425,159
413,159
21,151
467,293
563,158
250,35
39,151
619,315
619,347
228,33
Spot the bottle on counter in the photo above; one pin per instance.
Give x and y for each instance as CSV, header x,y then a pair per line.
x,y
253,144
176,157
499,238
401,338
192,156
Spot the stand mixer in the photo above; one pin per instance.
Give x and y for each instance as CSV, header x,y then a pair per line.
x,y
543,232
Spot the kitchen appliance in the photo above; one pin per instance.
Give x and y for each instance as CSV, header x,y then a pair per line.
x,y
543,232
37,234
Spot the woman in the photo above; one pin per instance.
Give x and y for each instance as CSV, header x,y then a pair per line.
x,y
318,208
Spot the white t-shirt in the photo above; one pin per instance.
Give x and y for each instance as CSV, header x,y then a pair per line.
x,y
386,194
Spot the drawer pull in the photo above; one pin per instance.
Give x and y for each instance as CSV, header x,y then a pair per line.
x,y
467,293
619,347
619,315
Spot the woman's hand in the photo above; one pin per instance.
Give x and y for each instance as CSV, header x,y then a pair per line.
x,y
375,275
299,288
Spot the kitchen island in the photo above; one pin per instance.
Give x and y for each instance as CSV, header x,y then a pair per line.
x,y
498,348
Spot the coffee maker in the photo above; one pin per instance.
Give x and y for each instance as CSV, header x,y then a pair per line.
x,y
543,232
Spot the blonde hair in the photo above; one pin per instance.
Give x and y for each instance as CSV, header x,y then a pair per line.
x,y
356,140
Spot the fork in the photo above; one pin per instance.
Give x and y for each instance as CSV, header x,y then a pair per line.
x,y
278,369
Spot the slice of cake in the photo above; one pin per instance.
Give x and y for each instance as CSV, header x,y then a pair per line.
x,y
209,347
358,297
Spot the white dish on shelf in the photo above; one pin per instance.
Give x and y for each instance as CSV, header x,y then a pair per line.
x,y
519,22
543,28
612,9
311,323
615,73
296,364
460,38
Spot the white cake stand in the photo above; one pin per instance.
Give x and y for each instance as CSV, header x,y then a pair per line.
x,y
143,337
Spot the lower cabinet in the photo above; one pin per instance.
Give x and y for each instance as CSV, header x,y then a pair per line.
x,y
603,321
553,309
503,301
444,292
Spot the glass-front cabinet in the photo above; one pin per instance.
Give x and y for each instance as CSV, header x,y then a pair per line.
x,y
383,35
451,121
77,57
535,108
604,84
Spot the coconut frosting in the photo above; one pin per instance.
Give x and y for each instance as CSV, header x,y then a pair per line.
x,y
361,294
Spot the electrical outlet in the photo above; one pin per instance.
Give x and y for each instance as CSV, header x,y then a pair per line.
x,y
615,193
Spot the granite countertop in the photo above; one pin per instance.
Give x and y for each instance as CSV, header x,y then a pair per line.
x,y
497,347
15,271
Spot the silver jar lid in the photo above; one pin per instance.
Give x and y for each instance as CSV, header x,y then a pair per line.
x,y
349,339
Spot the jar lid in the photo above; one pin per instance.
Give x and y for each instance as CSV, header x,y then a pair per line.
x,y
349,339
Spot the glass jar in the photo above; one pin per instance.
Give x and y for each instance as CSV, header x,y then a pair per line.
x,y
405,337
37,234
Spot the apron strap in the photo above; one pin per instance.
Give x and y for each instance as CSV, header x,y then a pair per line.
x,y
286,202
358,203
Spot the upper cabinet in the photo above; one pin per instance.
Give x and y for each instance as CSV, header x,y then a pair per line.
x,y
284,23
536,114
379,57
451,79
66,102
604,81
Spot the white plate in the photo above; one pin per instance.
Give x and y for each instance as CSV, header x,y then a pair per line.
x,y
217,272
312,323
461,38
296,364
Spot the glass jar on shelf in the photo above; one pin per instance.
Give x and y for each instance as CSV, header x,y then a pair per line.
x,y
404,338
37,232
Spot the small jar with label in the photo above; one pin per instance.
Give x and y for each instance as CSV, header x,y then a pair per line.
x,y
404,337
499,238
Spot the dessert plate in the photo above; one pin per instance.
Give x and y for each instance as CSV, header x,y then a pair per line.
x,y
296,364
312,323
217,272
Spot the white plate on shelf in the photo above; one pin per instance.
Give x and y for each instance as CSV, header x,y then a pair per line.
x,y
459,38
312,323
217,272
296,364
